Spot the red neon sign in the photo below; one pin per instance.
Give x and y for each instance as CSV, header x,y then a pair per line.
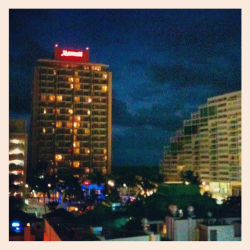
x,y
71,55
87,183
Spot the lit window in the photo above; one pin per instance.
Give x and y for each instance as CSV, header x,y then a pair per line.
x,y
43,97
87,151
17,162
56,111
78,118
70,111
76,73
87,170
76,164
89,100
69,124
76,151
58,124
58,157
16,151
89,112
105,158
87,131
71,79
77,86
44,111
105,76
72,86
53,130
76,79
76,124
86,67
54,72
104,170
44,130
77,98
104,151
75,131
59,98
104,88
98,68
52,98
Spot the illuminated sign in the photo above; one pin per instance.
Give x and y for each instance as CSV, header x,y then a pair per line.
x,y
72,53
87,183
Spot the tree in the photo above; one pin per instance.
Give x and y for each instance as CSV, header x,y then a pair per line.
x,y
43,180
94,195
71,187
16,203
97,178
190,177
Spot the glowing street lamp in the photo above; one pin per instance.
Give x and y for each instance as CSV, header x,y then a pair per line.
x,y
27,186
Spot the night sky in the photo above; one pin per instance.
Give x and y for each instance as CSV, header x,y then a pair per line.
x,y
165,63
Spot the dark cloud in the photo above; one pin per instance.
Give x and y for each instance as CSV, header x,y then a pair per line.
x,y
165,63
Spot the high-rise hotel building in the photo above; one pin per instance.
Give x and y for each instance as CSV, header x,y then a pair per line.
x,y
72,112
209,144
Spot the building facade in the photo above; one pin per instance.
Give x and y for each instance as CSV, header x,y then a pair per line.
x,y
72,112
18,142
209,144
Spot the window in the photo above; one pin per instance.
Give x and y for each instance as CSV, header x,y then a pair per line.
x,y
52,98
70,111
87,131
75,131
58,157
44,130
104,88
76,124
71,79
58,124
76,144
69,124
87,151
105,76
76,79
98,68
77,86
76,151
77,98
56,111
76,164
89,112
43,97
59,98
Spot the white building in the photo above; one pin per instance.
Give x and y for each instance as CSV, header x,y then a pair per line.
x,y
209,144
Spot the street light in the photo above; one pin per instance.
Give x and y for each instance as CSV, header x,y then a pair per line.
x,y
26,185
49,185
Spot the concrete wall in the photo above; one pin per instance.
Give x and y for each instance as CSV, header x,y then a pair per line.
x,y
137,238
224,232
